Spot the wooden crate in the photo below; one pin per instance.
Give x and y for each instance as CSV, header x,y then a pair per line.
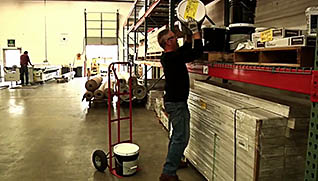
x,y
286,56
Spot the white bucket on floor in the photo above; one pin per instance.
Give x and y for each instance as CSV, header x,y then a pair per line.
x,y
126,156
197,9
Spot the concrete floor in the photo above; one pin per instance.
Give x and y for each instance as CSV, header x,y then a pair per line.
x,y
47,133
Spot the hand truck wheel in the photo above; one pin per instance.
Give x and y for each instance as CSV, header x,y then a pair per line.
x,y
99,159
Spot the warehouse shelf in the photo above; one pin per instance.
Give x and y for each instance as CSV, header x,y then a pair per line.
x,y
291,79
149,63
157,12
138,4
249,68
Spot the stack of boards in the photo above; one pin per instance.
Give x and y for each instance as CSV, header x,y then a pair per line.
x,y
235,136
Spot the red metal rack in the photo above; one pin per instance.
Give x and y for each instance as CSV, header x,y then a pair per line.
x,y
291,79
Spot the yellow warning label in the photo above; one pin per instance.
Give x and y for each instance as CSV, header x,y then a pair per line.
x,y
267,35
191,9
202,104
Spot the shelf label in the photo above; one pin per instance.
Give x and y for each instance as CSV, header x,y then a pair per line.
x,y
267,35
205,69
191,9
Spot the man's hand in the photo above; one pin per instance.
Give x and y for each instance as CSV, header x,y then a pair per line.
x,y
193,25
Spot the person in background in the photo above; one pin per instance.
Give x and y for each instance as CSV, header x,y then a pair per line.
x,y
177,86
24,61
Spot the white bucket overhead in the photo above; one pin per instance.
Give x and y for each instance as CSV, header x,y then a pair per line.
x,y
191,8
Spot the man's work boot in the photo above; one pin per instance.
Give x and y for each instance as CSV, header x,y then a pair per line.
x,y
164,177
182,164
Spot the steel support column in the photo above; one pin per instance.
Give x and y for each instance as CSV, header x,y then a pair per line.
x,y
124,44
226,12
146,42
171,14
311,173
117,33
135,40
85,61
127,45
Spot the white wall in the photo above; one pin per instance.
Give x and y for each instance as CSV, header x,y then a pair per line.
x,y
269,13
24,21
283,13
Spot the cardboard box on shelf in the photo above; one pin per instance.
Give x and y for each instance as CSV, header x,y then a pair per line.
x,y
280,33
303,40
274,34
259,44
284,42
256,37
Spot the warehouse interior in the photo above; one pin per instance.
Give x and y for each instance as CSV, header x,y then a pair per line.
x,y
95,84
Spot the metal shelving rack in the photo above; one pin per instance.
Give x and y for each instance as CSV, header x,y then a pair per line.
x,y
155,16
300,80
311,172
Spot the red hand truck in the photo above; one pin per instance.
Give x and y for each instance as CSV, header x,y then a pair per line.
x,y
99,158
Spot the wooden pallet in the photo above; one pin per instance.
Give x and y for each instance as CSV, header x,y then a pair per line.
x,y
220,57
285,56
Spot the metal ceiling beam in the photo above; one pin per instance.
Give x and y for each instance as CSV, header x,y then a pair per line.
x,y
113,1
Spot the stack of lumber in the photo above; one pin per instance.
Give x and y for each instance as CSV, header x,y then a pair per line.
x,y
159,105
235,136
151,100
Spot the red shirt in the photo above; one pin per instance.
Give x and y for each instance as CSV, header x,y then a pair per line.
x,y
24,60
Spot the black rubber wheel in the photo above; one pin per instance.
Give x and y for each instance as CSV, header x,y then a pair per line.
x,y
99,159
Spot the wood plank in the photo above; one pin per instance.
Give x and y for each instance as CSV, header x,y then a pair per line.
x,y
282,56
248,99
262,150
220,56
268,49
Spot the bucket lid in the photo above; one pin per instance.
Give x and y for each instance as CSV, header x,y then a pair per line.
x,y
199,14
126,149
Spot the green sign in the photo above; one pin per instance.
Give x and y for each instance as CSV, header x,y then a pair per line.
x,y
11,43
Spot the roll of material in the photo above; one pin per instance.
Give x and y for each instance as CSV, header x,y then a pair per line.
x,y
88,95
126,96
134,81
111,92
123,77
109,87
140,92
122,81
121,86
93,84
100,92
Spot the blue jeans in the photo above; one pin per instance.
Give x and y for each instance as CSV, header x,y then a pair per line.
x,y
179,116
24,72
